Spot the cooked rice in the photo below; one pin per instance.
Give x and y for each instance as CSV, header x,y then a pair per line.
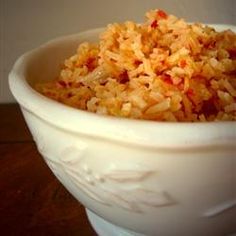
x,y
164,69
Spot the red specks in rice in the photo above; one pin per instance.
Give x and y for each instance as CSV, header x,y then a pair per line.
x,y
164,69
232,53
154,24
167,79
62,83
91,63
209,108
124,77
182,63
137,62
69,95
161,14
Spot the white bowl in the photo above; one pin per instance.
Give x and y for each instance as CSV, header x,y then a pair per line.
x,y
134,177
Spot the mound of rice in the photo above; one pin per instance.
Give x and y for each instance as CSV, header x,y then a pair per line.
x,y
164,69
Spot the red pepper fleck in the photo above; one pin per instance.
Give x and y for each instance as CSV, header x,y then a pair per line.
x,y
200,40
154,24
124,77
167,79
90,63
190,92
137,62
162,14
232,53
208,107
182,63
69,95
210,45
62,83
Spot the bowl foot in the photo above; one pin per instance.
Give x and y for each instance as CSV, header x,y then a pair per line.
x,y
105,228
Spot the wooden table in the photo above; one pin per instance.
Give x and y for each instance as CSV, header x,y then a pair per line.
x,y
32,200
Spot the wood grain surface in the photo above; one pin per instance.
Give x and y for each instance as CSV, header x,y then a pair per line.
x,y
32,200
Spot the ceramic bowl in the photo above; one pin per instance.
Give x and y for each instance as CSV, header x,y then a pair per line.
x,y
133,177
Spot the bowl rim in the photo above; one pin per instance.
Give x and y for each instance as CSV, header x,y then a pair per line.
x,y
165,135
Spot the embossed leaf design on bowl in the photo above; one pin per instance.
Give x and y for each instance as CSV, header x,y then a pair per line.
x,y
123,188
